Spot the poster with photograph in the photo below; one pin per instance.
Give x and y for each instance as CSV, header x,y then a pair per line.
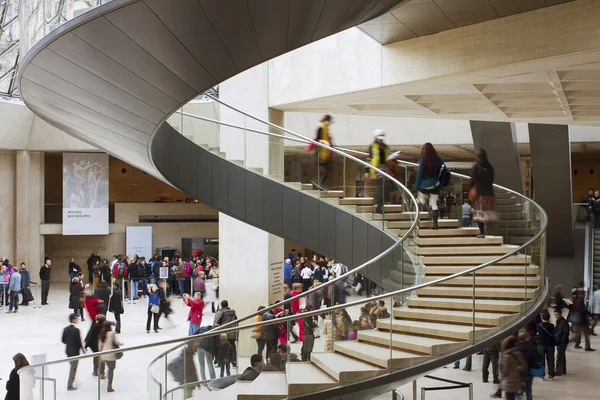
x,y
85,194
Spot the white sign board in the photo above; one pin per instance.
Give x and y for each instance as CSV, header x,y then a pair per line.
x,y
138,240
85,194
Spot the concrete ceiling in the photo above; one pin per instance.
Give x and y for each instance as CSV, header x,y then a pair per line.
x,y
569,94
415,18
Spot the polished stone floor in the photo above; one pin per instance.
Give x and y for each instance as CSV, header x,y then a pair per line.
x,y
38,331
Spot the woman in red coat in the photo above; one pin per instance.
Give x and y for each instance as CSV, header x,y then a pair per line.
x,y
196,308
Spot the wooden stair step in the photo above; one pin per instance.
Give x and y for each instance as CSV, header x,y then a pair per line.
x,y
345,369
306,377
229,393
481,305
400,216
456,317
388,208
306,186
329,194
379,355
480,292
357,201
445,232
490,270
433,329
268,386
464,250
518,259
459,241
490,280
442,223
419,344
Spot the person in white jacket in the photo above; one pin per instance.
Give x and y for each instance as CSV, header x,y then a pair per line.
x,y
107,340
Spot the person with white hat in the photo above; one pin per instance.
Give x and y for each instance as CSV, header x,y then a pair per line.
x,y
379,155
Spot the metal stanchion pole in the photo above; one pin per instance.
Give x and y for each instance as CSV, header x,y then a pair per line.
x,y
37,295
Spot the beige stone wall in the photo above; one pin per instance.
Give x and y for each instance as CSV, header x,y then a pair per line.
x,y
7,204
60,248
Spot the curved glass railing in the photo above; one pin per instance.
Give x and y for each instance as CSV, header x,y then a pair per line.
x,y
484,297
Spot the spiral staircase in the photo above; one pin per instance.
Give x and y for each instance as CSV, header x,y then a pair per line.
x,y
112,77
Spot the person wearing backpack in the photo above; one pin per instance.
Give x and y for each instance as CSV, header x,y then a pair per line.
x,y
428,181
223,316
132,274
482,192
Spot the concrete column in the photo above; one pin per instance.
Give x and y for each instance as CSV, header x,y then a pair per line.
x,y
551,177
248,257
499,140
29,209
7,205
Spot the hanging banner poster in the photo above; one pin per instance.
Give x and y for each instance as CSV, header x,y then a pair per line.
x,y
85,194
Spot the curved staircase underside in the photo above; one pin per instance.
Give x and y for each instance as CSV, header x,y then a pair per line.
x,y
111,78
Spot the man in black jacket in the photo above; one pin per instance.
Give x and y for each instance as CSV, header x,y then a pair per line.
x,y
72,338
491,355
115,305
270,333
561,334
45,278
90,264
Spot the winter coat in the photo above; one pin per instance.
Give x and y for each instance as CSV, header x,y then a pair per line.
x,y
91,339
224,316
115,304
482,175
561,332
75,295
545,332
512,366
110,342
225,352
270,332
196,309
210,343
103,293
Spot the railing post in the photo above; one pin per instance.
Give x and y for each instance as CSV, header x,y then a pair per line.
x,y
471,391
414,389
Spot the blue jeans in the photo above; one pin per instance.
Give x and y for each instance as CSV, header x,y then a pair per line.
x,y
193,328
223,366
466,222
206,358
468,363
14,300
134,290
181,284
144,287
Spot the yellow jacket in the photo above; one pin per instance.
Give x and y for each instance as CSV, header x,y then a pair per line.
x,y
375,161
323,134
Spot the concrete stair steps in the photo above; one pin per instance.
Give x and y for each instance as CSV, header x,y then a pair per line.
x,y
455,317
345,369
280,179
392,284
490,281
257,170
268,386
481,305
314,193
464,250
508,270
433,329
518,259
459,241
388,208
480,292
306,186
400,216
418,344
203,145
442,223
512,231
332,194
306,377
379,355
445,232
239,163
357,201
229,393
